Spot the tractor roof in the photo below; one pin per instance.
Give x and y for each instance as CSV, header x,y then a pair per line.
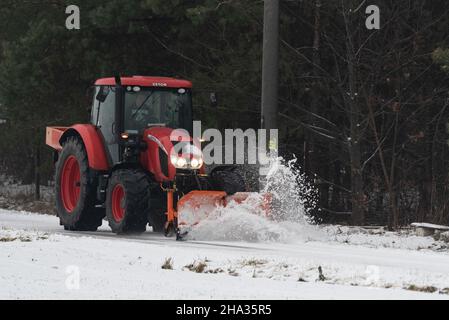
x,y
146,82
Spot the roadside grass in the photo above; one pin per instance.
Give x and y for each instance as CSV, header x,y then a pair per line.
x,y
11,239
24,201
253,262
22,238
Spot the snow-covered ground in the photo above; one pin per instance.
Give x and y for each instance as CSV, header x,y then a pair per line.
x,y
39,260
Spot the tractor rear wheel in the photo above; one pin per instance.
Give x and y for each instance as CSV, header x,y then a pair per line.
x,y
75,193
127,201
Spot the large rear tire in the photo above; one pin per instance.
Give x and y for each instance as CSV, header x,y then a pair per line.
x,y
127,201
75,193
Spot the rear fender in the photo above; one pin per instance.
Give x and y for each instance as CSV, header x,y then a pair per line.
x,y
93,144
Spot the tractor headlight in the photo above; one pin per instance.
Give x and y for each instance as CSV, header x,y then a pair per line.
x,y
178,162
196,163
186,156
182,163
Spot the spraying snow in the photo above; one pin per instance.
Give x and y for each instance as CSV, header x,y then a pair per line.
x,y
246,221
293,196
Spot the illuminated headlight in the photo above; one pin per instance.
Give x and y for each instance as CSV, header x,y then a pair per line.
x,y
192,157
182,163
178,162
196,163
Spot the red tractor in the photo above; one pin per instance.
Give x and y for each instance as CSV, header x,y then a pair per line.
x,y
123,164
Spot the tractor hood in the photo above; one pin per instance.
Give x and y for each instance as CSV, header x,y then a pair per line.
x,y
160,136
170,149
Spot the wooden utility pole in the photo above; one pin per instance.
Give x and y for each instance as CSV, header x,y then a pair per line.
x,y
270,65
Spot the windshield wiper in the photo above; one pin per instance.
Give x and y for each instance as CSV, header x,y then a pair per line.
x,y
141,105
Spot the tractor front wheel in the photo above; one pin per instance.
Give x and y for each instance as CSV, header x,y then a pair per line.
x,y
127,201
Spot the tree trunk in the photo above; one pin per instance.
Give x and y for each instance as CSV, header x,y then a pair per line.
x,y
37,182
357,194
336,201
310,148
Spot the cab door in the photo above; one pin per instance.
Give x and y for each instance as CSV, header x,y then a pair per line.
x,y
104,116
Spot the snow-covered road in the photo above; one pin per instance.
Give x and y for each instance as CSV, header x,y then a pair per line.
x,y
44,261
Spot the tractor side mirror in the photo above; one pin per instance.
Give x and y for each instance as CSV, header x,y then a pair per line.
x,y
102,94
90,92
213,99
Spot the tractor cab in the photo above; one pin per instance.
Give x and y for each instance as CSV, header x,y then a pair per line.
x,y
129,105
130,165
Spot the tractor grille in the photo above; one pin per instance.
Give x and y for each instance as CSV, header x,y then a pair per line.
x,y
189,182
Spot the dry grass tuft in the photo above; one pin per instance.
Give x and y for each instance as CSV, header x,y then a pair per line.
x,y
197,266
168,264
430,289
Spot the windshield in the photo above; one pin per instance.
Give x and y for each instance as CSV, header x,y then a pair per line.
x,y
156,106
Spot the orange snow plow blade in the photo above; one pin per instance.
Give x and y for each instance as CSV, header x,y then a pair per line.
x,y
197,205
